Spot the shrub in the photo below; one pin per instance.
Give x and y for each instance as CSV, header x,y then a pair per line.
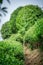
x,y
10,27
11,53
13,19
27,16
33,35
6,30
21,18
16,37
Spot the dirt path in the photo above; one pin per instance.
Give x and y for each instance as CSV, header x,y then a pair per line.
x,y
33,57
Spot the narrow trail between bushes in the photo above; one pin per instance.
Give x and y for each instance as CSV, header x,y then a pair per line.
x,y
32,57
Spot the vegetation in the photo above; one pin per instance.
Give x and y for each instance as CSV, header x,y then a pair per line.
x,y
17,37
3,10
24,26
34,32
30,14
1,1
21,22
6,30
11,53
10,27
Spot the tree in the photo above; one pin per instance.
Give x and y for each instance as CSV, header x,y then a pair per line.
x,y
10,27
1,1
3,9
21,22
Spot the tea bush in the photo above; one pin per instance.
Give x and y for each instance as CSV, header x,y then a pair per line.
x,y
27,16
6,30
21,19
17,37
25,24
10,27
34,34
11,53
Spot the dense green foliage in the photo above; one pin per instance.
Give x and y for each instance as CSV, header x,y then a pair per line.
x,y
34,34
27,16
10,27
16,37
11,53
21,20
13,19
25,26
6,30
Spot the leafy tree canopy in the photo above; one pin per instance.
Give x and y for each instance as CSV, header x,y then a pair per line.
x,y
25,24
11,52
21,20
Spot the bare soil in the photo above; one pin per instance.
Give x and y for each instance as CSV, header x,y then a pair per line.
x,y
33,57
